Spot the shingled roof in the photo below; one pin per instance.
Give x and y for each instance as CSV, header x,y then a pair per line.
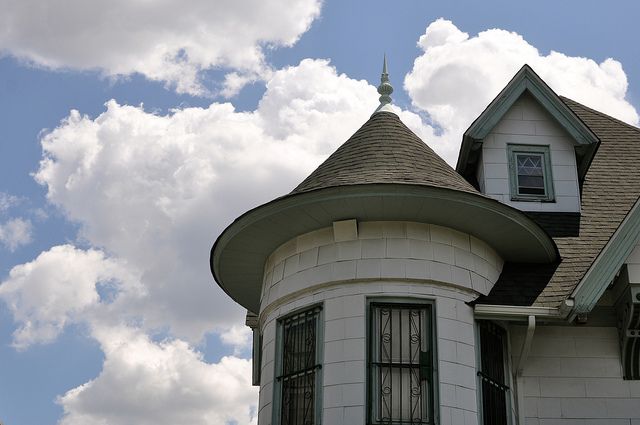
x,y
384,150
610,189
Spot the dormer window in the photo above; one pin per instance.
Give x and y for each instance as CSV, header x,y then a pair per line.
x,y
530,173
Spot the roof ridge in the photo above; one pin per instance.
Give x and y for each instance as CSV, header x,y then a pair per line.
x,y
601,114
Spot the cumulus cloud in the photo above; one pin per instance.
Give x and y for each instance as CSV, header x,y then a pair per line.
x,y
155,383
59,287
158,189
164,41
457,76
15,232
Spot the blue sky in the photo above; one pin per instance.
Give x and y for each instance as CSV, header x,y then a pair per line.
x,y
186,116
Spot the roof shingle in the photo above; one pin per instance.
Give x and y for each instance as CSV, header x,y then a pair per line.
x,y
609,191
384,150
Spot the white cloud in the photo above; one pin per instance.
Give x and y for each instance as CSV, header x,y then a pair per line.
x,y
7,201
237,336
165,41
147,383
457,76
59,287
15,232
157,190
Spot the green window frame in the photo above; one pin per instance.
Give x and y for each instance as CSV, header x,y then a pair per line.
x,y
530,177
298,380
402,374
494,391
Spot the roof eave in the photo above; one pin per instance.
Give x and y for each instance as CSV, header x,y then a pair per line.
x,y
604,268
238,255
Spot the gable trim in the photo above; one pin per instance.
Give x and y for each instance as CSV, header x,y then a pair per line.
x,y
525,80
607,263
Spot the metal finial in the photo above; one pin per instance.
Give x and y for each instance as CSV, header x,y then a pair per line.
x,y
385,89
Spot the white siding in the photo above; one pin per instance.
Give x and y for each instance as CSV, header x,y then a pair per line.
x,y
384,249
573,376
388,259
345,346
528,123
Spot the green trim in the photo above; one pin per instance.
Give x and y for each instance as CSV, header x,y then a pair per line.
x,y
434,385
604,268
238,256
524,80
277,368
544,151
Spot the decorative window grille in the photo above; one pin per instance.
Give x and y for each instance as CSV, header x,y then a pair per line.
x,y
530,173
401,364
298,369
493,379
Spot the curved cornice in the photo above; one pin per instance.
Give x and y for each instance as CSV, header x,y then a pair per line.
x,y
238,255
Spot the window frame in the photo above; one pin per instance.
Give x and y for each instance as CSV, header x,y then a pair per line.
x,y
278,362
434,384
545,152
508,377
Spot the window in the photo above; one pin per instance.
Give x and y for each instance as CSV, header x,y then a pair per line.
x,y
256,356
297,379
493,374
401,364
530,173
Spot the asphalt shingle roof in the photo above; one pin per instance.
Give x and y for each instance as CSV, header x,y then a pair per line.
x,y
610,189
384,150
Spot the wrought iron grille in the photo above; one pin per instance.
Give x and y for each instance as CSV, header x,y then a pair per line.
x,y
492,376
299,368
401,371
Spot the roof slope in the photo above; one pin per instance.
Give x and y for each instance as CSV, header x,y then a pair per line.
x,y
384,150
610,189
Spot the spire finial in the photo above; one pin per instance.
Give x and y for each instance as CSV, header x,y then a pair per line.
x,y
385,89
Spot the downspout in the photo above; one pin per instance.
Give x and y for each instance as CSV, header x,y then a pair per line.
x,y
524,354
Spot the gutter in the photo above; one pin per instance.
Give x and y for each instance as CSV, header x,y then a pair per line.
x,y
514,313
529,314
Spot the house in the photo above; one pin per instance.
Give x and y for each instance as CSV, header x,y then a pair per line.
x,y
389,288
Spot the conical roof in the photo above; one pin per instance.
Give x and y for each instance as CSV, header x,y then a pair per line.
x,y
384,150
383,172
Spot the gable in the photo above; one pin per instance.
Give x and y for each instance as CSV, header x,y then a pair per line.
x,y
528,127
603,234
525,80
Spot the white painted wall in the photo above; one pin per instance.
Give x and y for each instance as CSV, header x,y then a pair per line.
x,y
389,259
573,376
528,123
633,265
383,249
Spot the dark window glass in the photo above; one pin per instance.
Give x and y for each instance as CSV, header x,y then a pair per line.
x,y
299,368
492,374
401,369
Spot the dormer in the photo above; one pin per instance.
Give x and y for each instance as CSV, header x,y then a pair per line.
x,y
528,149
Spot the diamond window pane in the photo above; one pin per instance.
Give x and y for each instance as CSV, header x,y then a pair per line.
x,y
530,174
